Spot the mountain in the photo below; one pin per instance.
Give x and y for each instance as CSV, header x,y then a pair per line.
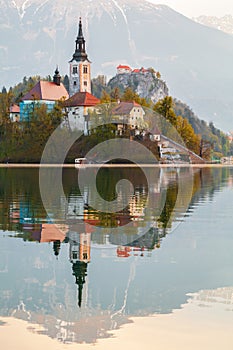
x,y
224,23
194,60
144,83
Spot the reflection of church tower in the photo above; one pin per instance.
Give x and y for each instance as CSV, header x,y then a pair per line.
x,y
80,256
80,272
56,247
80,247
80,66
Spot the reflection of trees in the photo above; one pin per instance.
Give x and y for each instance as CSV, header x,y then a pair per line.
x,y
170,202
19,190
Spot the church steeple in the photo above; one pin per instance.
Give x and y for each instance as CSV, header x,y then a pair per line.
x,y
80,49
80,66
80,273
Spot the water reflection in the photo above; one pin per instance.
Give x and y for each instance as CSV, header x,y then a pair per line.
x,y
42,262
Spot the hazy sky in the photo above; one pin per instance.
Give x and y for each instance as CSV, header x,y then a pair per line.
x,y
193,8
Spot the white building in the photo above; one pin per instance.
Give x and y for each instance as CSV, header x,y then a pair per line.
x,y
77,108
129,113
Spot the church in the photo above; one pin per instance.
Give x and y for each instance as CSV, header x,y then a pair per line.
x,y
79,99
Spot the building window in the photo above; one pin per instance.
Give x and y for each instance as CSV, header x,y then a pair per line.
x,y
84,256
75,83
85,69
75,255
85,83
75,70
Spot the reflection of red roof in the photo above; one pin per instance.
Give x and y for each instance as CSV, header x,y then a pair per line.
x,y
123,252
123,67
82,99
124,108
51,233
14,109
46,90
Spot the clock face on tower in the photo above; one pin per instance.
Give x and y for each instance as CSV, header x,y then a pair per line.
x,y
80,66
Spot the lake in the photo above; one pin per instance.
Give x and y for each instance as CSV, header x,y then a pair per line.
x,y
88,258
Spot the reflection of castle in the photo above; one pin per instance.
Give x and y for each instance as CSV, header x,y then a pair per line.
x,y
145,243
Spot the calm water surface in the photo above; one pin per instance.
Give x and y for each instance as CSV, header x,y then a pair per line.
x,y
169,248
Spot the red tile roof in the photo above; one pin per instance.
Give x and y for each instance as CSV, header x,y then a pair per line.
x,y
84,99
123,67
143,70
14,109
124,108
136,70
46,90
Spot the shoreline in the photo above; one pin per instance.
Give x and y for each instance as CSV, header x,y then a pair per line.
x,y
80,166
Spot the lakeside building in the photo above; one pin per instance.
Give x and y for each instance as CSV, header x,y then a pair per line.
x,y
79,99
128,115
77,108
44,92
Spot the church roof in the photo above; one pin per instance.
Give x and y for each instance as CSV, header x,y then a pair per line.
x,y
84,99
46,90
124,108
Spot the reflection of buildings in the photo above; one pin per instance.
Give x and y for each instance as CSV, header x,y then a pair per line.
x,y
146,243
54,233
220,295
80,256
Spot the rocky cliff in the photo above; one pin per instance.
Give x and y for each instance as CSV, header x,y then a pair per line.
x,y
145,84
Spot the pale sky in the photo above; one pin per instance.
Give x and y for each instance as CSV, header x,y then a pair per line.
x,y
194,8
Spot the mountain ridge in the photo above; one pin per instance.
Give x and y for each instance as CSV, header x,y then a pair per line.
x,y
224,23
193,59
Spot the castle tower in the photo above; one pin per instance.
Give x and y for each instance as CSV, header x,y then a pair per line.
x,y
80,66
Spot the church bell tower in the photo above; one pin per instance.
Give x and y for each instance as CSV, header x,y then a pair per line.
x,y
80,66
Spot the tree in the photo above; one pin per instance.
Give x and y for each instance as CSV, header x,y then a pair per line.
x,y
165,108
187,134
105,97
205,149
129,95
115,94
